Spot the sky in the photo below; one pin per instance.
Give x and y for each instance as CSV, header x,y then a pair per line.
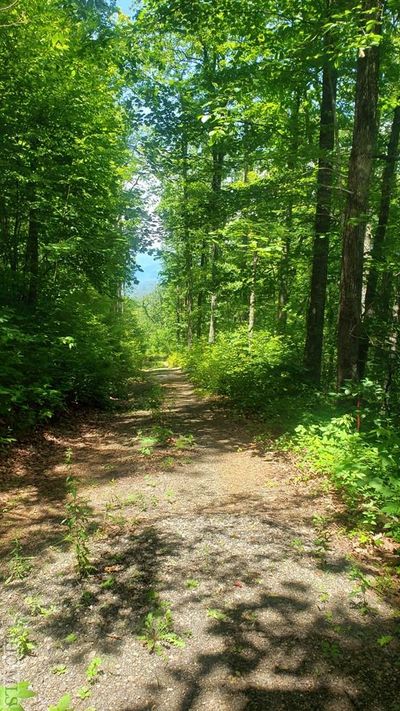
x,y
148,278
125,6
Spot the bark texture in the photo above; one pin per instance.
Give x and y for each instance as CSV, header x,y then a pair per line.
x,y
355,219
319,273
252,299
216,183
378,245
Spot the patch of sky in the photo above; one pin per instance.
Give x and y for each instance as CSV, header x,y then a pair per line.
x,y
127,6
148,274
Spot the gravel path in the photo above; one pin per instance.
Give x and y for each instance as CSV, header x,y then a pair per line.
x,y
228,537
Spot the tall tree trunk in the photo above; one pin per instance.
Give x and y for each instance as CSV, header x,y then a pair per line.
x,y
211,329
178,317
283,289
393,350
377,254
319,274
186,244
118,303
189,313
216,183
252,300
386,296
200,295
32,254
283,275
355,217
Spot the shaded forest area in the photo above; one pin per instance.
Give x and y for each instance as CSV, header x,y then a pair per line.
x,y
273,132
68,212
220,529
269,134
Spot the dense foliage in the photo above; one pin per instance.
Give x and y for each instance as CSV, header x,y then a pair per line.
x,y
67,216
257,378
363,464
273,131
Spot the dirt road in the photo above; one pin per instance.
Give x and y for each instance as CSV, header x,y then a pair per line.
x,y
232,554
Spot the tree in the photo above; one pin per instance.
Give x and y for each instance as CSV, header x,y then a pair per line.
x,y
323,221
378,247
67,219
359,177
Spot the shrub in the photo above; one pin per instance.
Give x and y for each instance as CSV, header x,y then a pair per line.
x,y
364,465
79,351
255,376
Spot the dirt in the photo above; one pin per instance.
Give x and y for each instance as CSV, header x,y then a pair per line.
x,y
246,552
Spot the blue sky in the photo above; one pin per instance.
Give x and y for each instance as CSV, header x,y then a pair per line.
x,y
151,267
148,279
125,6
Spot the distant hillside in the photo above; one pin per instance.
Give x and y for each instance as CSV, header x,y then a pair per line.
x,y
148,278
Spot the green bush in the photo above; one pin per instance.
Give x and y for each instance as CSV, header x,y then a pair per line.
x,y
255,376
266,377
364,465
80,351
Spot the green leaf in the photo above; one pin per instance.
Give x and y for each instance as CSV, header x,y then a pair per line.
x,y
216,614
10,696
385,640
63,705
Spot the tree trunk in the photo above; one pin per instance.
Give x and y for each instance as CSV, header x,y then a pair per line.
x,y
213,295
319,274
216,183
211,330
392,352
189,313
377,254
283,290
283,277
252,300
32,254
200,295
186,245
355,217
118,302
178,317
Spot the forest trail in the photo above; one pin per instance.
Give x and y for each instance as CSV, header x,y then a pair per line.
x,y
261,593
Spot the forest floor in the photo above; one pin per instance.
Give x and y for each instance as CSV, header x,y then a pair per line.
x,y
257,598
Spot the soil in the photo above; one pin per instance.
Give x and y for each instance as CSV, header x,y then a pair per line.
x,y
248,554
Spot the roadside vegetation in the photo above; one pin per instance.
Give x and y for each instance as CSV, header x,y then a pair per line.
x,y
349,436
280,207
252,146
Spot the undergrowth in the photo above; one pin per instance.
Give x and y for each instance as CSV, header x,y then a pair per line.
x,y
364,465
256,377
158,626
76,352
350,437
